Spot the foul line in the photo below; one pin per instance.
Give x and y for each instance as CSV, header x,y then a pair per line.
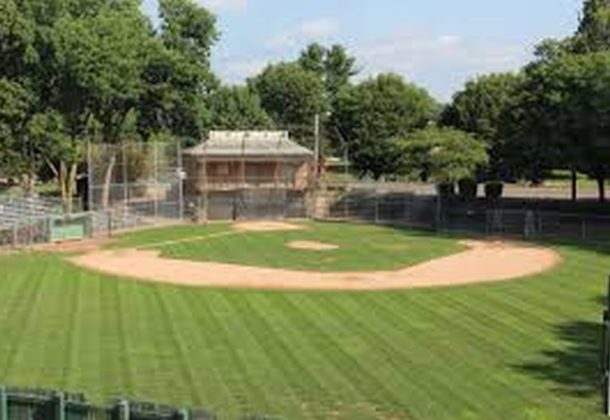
x,y
187,240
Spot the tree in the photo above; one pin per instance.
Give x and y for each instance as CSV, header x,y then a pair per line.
x,y
547,99
237,108
480,109
536,126
372,115
593,33
588,115
19,155
292,96
442,155
564,113
334,65
114,60
26,83
313,58
340,68
103,58
68,67
178,77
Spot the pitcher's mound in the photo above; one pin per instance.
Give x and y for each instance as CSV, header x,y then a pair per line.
x,y
265,226
312,246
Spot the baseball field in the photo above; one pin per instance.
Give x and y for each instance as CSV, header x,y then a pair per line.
x,y
311,320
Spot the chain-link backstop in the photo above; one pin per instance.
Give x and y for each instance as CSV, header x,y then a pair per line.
x,y
134,184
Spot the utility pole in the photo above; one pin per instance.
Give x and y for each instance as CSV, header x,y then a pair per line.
x,y
317,145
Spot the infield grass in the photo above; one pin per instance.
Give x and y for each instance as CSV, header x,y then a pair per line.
x,y
360,247
525,349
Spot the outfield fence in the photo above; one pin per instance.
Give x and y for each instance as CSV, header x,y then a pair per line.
x,y
39,404
527,219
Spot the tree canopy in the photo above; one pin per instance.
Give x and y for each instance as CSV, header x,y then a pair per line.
x,y
373,114
237,108
292,96
481,109
441,155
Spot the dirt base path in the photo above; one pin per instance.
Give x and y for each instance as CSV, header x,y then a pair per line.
x,y
482,262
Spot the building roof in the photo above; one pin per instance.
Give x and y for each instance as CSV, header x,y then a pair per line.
x,y
258,144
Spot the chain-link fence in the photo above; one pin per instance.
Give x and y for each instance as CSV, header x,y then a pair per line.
x,y
515,218
135,183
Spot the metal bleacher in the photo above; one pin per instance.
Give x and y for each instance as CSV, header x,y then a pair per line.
x,y
19,210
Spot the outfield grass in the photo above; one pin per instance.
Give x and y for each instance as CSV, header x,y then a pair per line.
x,y
526,349
361,247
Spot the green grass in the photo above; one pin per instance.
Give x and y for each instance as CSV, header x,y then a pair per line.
x,y
361,247
150,237
525,349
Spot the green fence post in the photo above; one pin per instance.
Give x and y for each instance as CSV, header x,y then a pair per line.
x,y
60,406
124,410
3,404
185,414
376,207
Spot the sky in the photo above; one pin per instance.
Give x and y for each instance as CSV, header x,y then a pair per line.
x,y
438,44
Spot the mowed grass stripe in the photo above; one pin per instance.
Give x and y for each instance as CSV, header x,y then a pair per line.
x,y
272,373
209,353
467,350
18,325
152,351
87,365
115,358
41,332
492,348
291,359
386,336
168,317
246,356
16,303
317,358
510,340
393,365
303,358
237,379
364,377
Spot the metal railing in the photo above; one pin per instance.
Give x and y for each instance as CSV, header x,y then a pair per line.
x,y
40,404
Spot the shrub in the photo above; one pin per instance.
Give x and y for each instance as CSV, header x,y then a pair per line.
x,y
494,190
468,188
446,189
